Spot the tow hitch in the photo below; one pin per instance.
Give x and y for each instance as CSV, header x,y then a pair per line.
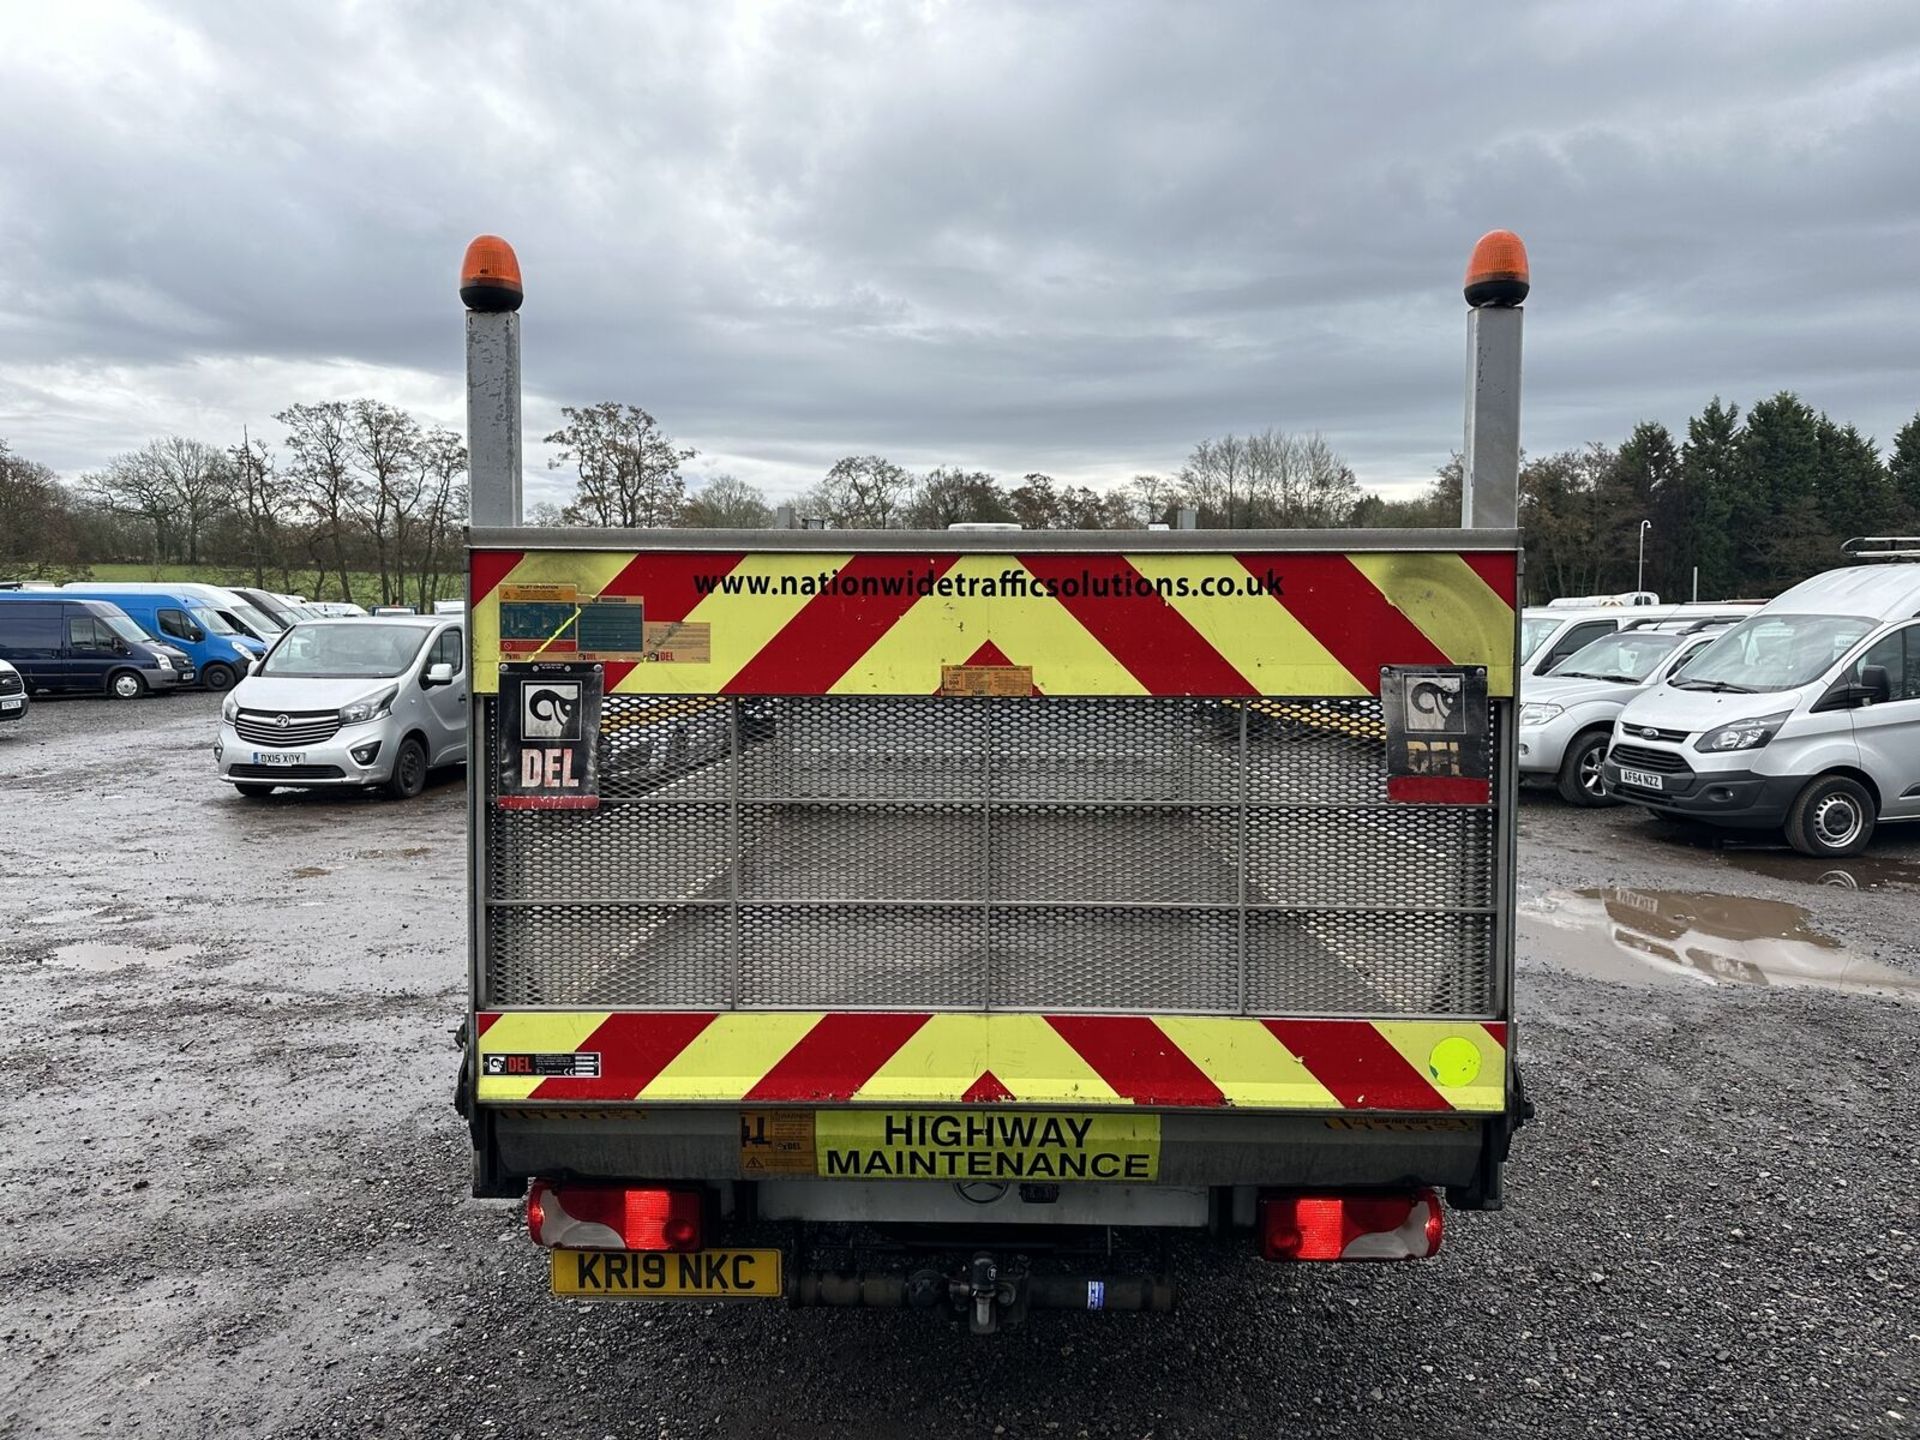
x,y
990,1293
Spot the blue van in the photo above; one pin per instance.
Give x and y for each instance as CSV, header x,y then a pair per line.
x,y
61,643
222,653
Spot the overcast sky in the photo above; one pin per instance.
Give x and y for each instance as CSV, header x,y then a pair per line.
x,y
1064,237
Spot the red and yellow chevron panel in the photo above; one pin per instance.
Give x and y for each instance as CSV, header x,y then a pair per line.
x,y
967,1058
884,623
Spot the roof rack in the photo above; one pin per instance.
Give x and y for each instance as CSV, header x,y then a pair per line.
x,y
1684,624
1882,547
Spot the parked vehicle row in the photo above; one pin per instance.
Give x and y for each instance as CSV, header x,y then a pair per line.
x,y
1567,715
1805,716
65,643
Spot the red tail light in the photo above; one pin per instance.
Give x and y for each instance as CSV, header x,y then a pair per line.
x,y
1350,1227
613,1217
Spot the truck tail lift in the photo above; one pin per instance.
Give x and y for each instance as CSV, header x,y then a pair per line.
x,y
948,920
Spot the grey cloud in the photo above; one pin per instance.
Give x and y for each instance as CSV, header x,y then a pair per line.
x,y
1076,237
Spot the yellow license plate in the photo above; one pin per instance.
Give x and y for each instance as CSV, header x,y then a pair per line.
x,y
655,1275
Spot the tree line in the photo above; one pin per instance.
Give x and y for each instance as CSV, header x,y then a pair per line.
x,y
360,501
1754,502
360,496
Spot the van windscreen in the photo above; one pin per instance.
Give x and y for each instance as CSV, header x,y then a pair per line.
x,y
353,650
125,629
1774,652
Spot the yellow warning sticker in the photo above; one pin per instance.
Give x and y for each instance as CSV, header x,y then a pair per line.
x,y
679,642
986,680
776,1142
986,1145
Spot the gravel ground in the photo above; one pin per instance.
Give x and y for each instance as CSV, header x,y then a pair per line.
x,y
233,1192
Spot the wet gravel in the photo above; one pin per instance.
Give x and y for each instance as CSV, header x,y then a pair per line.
x,y
233,1192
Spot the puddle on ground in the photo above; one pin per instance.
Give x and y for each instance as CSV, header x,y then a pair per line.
x,y
1676,936
98,957
61,917
411,852
1861,874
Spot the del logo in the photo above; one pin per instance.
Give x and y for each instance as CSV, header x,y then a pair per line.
x,y
547,769
580,1065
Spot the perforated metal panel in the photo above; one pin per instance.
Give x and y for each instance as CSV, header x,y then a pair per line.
x,y
1045,853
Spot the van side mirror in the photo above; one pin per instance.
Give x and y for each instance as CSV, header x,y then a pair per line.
x,y
196,634
441,674
1872,688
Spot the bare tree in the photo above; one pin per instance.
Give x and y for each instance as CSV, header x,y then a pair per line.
x,y
860,492
952,496
1150,498
629,471
384,441
39,536
1036,504
726,502
262,497
178,485
320,445
441,459
1272,478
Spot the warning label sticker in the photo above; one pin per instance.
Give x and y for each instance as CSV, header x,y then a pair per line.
x,y
776,1142
986,680
556,622
985,1145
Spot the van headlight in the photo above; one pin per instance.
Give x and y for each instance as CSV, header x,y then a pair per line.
x,y
1741,734
230,708
1538,712
371,708
162,661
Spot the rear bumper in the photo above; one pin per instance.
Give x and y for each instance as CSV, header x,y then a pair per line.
x,y
1196,1150
1736,798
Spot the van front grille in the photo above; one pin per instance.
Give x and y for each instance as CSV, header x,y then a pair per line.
x,y
1662,762
266,727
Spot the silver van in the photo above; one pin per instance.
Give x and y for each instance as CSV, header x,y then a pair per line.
x,y
1550,633
376,702
1566,719
1805,716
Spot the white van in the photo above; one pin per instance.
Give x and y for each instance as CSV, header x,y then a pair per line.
x,y
1566,720
1805,716
1550,633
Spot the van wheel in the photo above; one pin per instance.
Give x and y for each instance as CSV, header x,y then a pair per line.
x,y
218,677
1831,817
126,685
409,776
253,792
1580,782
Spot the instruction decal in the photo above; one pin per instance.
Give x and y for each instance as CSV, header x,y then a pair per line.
x,y
1005,680
776,1142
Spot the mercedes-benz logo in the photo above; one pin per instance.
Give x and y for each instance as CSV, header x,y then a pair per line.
x,y
280,722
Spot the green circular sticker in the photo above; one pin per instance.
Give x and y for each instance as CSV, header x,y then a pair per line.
x,y
1454,1061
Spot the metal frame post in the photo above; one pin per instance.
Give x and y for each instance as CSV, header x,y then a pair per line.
x,y
1497,283
493,417
1490,460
